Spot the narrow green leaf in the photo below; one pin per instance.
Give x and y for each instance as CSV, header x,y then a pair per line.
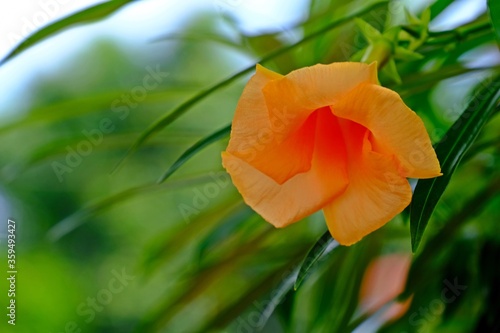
x,y
494,11
278,295
324,246
198,281
438,7
423,266
450,151
220,134
349,278
227,226
81,106
165,120
50,151
426,17
392,71
205,37
226,314
84,16
378,314
407,55
160,250
76,219
412,19
367,30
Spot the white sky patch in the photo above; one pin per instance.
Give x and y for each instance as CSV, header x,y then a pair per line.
x,y
482,56
458,13
18,19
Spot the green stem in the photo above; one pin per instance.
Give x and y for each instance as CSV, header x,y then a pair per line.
x,y
459,35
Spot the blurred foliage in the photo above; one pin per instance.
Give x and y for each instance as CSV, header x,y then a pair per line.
x,y
164,243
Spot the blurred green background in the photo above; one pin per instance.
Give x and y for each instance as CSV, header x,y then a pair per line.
x,y
100,249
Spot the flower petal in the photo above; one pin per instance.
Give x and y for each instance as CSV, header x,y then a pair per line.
x,y
376,193
383,281
396,130
292,98
303,194
255,141
251,112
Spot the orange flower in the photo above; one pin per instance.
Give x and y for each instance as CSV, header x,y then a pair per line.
x,y
383,281
327,137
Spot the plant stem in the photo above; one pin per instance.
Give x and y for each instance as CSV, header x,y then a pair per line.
x,y
458,35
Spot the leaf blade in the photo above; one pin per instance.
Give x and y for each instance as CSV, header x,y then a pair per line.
x,y
324,246
494,13
191,151
78,218
450,151
84,16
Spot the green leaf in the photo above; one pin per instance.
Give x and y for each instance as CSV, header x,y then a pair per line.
x,y
494,11
245,300
94,13
402,53
392,71
86,105
200,280
279,294
52,150
426,17
324,246
367,30
226,227
179,111
348,278
159,251
220,134
424,266
76,219
450,151
438,7
412,19
200,38
167,119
